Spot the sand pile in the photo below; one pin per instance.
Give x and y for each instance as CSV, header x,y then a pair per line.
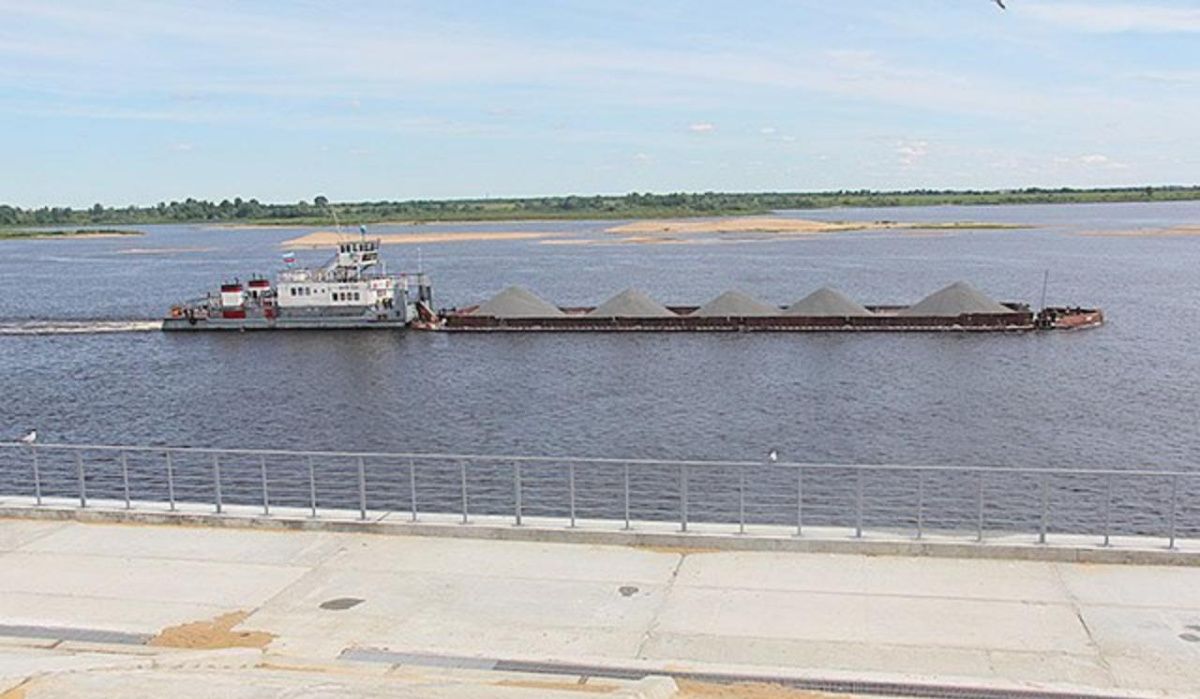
x,y
735,304
958,299
825,302
516,302
631,303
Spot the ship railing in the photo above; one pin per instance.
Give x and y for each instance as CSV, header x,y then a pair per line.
x,y
972,503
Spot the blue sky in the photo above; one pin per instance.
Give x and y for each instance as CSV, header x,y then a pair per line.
x,y
135,102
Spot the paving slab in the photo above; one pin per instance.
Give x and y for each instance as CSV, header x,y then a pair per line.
x,y
876,575
200,544
461,613
15,533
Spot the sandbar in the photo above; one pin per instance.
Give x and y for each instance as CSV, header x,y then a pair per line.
x,y
1186,231
66,235
788,226
330,239
742,224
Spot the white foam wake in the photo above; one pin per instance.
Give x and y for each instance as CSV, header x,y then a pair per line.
x,y
77,327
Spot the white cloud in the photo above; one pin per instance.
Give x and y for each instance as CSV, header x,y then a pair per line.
x,y
767,130
181,147
911,152
1113,19
702,127
1094,159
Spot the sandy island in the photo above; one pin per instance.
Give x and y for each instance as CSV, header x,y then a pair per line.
x,y
1188,231
66,235
330,239
742,224
785,226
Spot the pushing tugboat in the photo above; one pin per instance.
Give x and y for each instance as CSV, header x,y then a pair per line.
x,y
353,290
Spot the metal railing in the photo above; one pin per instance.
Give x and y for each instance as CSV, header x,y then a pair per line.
x,y
968,501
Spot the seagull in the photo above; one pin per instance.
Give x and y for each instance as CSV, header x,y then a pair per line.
x,y
772,456
29,438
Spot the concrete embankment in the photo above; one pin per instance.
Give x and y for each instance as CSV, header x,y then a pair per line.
x,y
416,615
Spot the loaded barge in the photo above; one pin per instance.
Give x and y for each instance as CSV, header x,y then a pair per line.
x,y
958,307
354,291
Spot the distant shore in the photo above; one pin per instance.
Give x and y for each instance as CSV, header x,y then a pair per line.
x,y
320,211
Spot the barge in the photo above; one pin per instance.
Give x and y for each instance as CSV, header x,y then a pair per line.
x,y
958,307
351,291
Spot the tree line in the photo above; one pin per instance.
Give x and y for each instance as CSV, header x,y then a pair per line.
x,y
633,205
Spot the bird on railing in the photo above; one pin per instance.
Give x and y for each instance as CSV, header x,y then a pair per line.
x,y
29,438
772,456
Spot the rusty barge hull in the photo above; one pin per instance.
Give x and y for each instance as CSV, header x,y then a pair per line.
x,y
576,320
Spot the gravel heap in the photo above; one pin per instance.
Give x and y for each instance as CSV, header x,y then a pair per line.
x,y
825,302
958,299
735,304
516,302
631,303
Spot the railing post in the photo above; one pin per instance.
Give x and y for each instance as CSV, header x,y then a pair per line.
x,y
82,479
571,488
799,501
463,472
979,511
1045,508
1174,508
683,498
858,503
741,500
627,527
362,489
920,504
37,476
125,478
170,481
216,462
312,487
517,493
412,487
1108,496
262,468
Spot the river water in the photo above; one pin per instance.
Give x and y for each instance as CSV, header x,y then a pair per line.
x,y
1124,395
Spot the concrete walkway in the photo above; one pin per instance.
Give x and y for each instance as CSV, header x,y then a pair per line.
x,y
470,606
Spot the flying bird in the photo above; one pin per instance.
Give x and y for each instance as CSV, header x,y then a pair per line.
x,y
29,438
1000,3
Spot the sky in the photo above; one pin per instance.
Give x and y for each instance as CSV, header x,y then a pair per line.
x,y
127,102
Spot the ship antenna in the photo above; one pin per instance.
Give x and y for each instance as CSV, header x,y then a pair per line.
x,y
420,263
1045,283
336,223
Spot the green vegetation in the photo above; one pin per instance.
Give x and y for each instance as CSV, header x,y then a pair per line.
x,y
568,207
77,233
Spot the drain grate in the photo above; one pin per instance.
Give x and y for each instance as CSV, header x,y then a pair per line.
x,y
67,633
853,687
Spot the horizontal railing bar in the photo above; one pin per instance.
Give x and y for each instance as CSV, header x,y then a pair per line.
x,y
551,460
